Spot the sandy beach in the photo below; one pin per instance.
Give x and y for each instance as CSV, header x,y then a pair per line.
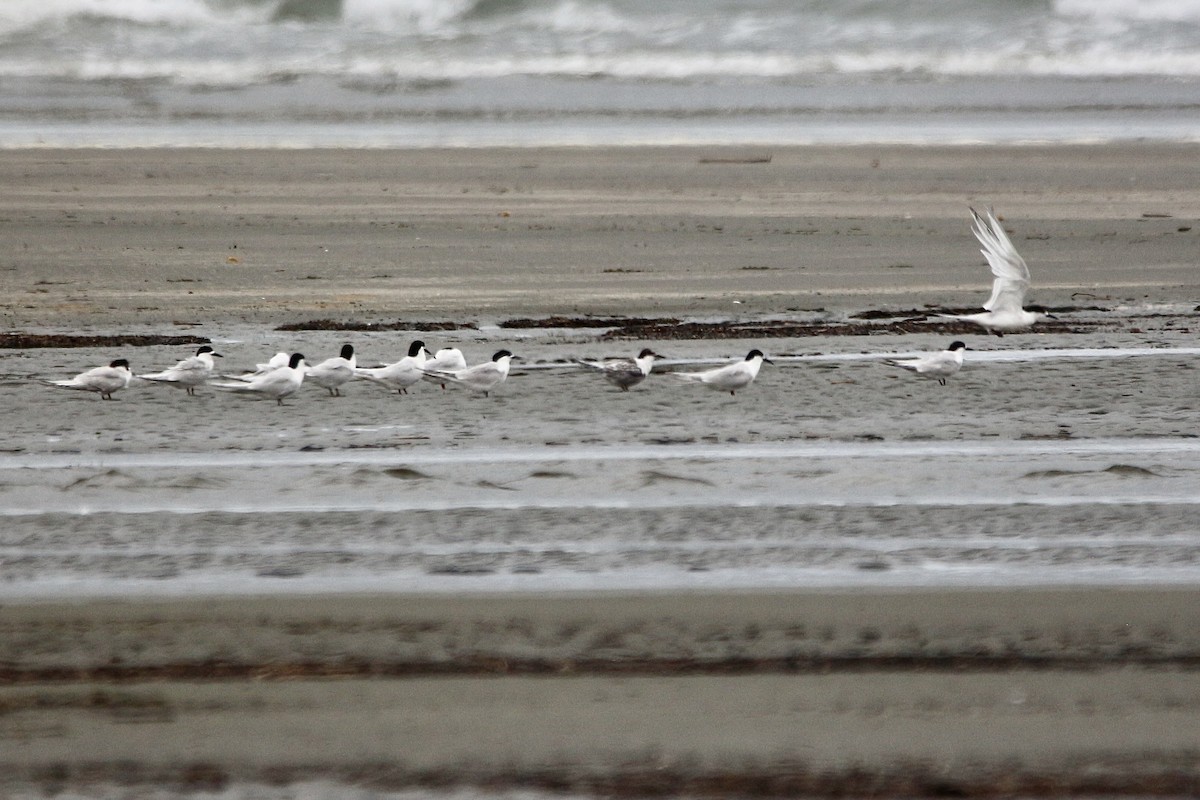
x,y
1071,670
200,237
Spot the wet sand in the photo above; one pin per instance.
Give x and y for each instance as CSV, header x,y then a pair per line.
x,y
979,692
101,238
1024,690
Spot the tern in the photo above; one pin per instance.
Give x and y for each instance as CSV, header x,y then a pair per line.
x,y
481,377
624,373
448,359
101,380
189,373
331,373
277,384
935,365
1004,311
730,377
401,374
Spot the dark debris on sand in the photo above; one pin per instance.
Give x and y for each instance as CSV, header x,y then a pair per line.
x,y
353,325
588,322
867,323
15,340
783,329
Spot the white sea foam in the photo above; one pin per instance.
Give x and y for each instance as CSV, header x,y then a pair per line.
x,y
1171,10
414,38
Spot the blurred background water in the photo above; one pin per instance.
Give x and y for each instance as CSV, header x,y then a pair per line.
x,y
404,73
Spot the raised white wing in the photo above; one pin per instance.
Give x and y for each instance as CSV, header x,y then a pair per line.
x,y
1011,273
448,359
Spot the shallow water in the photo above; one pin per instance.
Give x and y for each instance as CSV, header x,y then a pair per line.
x,y
1040,463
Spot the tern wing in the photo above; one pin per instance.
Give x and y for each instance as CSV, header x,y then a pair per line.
x,y
913,364
618,370
729,376
190,369
1010,270
278,380
480,373
938,364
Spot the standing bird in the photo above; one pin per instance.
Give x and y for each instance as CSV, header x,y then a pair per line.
x,y
277,384
730,377
333,372
624,372
193,371
401,374
935,365
448,359
1004,311
101,380
481,377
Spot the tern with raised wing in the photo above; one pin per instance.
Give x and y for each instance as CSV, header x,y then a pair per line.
x,y
448,359
1004,311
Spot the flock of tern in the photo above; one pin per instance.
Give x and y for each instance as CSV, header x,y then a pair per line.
x,y
284,374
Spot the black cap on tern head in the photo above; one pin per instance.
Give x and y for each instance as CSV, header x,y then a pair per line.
x,y
758,354
120,362
501,354
416,347
646,351
208,349
295,360
956,345
347,351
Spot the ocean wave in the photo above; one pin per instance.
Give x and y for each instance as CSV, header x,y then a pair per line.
x,y
1158,10
235,43
365,69
589,15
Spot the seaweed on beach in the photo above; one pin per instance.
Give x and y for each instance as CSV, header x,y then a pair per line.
x,y
784,329
881,313
667,328
16,340
864,323
588,322
355,325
